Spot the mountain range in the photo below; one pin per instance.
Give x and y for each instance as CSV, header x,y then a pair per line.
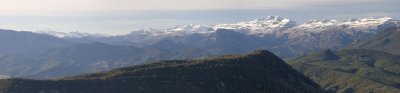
x,y
354,56
284,37
48,54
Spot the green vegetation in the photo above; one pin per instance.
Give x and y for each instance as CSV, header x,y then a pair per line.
x,y
256,72
352,71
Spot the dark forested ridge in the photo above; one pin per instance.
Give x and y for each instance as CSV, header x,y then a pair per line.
x,y
256,72
352,71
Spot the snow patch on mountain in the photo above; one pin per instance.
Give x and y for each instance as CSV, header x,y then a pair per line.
x,y
368,25
259,27
179,30
192,28
371,24
276,24
365,22
319,24
75,34
269,24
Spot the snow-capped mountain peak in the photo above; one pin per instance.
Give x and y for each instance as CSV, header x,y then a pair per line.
x,y
270,18
315,24
192,28
264,25
272,24
357,22
74,34
149,29
175,31
369,24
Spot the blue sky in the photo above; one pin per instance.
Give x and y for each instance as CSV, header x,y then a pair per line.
x,y
123,16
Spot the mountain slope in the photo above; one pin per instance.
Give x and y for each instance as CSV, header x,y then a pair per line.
x,y
21,41
86,58
352,71
256,72
268,24
77,59
388,41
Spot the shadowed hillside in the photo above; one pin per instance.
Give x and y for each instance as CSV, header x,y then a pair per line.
x,y
256,72
20,41
85,58
388,41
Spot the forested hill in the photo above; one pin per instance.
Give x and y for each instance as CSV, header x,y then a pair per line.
x,y
255,72
352,71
